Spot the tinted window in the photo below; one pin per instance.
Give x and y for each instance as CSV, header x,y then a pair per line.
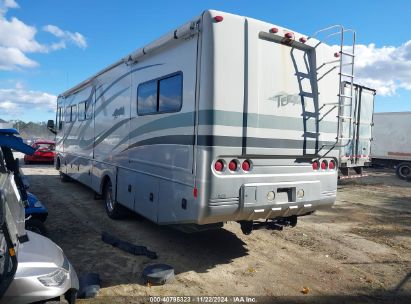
x,y
160,95
68,114
170,94
147,98
89,109
82,111
60,118
73,113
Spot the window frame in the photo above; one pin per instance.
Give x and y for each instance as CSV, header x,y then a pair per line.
x,y
157,81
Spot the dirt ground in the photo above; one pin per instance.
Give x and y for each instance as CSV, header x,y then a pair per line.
x,y
358,251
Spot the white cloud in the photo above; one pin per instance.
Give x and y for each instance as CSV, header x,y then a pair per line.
x,y
17,100
6,4
66,36
11,58
18,39
385,69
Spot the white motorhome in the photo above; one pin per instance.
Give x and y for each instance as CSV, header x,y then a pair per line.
x,y
226,118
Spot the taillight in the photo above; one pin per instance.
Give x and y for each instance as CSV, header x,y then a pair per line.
x,y
324,165
232,165
246,165
218,18
289,35
316,165
219,165
331,165
274,30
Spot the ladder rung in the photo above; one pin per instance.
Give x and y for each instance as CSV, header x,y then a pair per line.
x,y
347,75
345,105
345,96
344,117
307,94
348,54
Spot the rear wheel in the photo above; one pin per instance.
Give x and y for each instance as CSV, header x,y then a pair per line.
x,y
403,170
114,209
358,170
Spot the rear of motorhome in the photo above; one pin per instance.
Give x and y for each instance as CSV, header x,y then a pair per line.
x,y
226,118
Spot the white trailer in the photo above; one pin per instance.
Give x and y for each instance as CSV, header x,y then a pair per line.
x,y
226,118
356,130
391,145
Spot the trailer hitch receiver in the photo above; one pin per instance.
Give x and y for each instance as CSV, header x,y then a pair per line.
x,y
271,224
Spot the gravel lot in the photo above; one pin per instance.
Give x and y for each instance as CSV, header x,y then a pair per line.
x,y
358,251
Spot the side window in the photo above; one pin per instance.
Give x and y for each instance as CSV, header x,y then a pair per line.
x,y
160,95
82,111
73,113
147,98
88,109
68,114
171,89
59,124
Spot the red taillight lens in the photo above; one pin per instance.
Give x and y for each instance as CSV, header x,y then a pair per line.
x,y
218,18
289,35
303,40
315,165
337,54
324,165
274,30
232,165
219,166
246,165
331,165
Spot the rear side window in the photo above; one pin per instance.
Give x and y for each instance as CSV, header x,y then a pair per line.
x,y
147,98
162,95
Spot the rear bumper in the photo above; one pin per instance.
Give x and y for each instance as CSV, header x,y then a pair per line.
x,y
256,201
39,159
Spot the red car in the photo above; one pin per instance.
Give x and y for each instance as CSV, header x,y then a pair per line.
x,y
45,150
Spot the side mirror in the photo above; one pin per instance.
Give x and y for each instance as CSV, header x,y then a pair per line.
x,y
50,126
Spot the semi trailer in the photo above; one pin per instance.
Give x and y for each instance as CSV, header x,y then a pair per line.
x,y
391,145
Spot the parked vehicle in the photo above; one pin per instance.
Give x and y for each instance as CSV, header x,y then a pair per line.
x,y
45,151
32,267
391,145
225,118
356,130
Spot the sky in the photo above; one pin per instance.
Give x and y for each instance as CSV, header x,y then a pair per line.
x,y
48,46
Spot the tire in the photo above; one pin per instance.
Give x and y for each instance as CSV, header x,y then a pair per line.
x,y
403,170
64,177
114,210
36,226
57,166
358,170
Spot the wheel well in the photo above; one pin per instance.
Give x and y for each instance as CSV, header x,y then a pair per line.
x,y
58,163
104,182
